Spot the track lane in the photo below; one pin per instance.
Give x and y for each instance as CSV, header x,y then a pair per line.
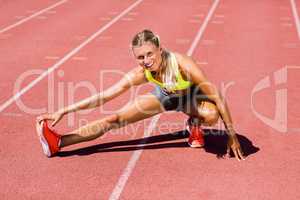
x,y
94,175
40,44
12,12
270,173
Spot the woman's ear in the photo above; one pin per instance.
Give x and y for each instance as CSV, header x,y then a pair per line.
x,y
160,50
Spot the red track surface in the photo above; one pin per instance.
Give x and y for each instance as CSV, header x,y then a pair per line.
x,y
244,42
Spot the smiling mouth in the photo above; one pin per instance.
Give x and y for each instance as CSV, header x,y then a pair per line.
x,y
148,65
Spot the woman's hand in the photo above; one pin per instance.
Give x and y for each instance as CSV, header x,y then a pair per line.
x,y
234,145
54,117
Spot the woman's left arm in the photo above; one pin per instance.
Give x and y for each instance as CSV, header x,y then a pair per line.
x,y
196,75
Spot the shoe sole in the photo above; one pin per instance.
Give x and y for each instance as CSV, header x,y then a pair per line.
x,y
43,141
196,145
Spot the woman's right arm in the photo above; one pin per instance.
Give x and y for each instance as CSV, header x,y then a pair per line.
x,y
132,78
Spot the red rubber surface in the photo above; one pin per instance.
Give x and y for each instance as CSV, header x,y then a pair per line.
x,y
243,43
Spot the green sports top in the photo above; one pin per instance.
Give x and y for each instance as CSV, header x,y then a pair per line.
x,y
181,84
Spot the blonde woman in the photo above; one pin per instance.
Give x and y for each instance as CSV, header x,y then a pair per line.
x,y
180,86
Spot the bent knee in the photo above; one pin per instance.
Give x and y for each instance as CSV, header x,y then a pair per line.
x,y
209,113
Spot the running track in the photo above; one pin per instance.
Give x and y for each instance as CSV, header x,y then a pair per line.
x,y
251,48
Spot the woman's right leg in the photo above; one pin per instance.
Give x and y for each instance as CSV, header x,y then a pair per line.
x,y
143,107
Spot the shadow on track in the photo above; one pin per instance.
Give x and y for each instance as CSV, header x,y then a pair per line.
x,y
215,143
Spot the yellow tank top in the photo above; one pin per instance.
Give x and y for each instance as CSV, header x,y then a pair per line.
x,y
181,84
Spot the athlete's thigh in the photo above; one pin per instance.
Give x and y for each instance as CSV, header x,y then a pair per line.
x,y
143,107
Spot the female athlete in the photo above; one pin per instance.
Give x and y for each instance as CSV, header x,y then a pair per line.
x,y
180,85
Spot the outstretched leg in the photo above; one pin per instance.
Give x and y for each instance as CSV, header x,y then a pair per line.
x,y
143,107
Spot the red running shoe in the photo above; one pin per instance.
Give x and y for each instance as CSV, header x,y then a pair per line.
x,y
49,139
196,139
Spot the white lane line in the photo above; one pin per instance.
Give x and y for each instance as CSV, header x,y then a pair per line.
x,y
296,17
30,11
51,12
202,63
208,42
199,15
287,24
41,17
51,57
79,58
115,195
67,56
131,163
20,17
32,16
217,22
219,16
127,19
101,38
195,21
105,18
112,12
133,13
182,41
285,18
10,114
203,27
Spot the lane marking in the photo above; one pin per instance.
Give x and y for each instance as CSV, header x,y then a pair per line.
x,y
199,15
283,8
219,16
67,56
51,57
195,21
208,42
20,17
51,12
285,18
132,162
41,17
115,195
105,18
10,114
80,37
112,12
182,41
296,17
286,24
203,27
133,13
217,22
202,63
127,19
79,58
101,38
290,45
32,16
30,11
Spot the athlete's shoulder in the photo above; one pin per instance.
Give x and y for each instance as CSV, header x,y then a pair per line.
x,y
137,75
185,62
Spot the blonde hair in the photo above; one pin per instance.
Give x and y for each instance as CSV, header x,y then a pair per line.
x,y
169,66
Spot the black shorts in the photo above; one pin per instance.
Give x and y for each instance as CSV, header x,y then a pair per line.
x,y
179,102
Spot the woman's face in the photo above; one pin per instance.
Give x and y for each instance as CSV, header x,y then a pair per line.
x,y
148,56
